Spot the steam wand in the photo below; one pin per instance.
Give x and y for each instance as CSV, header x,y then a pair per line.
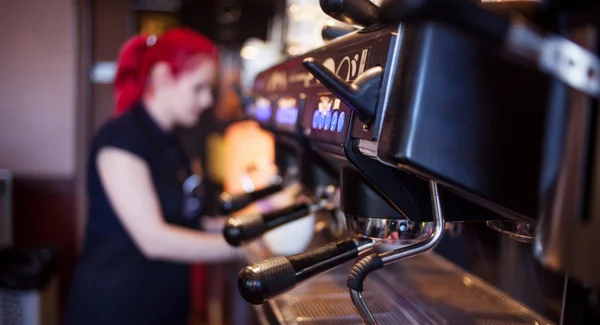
x,y
375,261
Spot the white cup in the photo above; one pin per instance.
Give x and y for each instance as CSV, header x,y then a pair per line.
x,y
291,238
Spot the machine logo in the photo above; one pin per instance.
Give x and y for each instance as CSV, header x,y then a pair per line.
x,y
350,67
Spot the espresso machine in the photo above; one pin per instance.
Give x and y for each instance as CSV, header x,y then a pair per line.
x,y
437,113
317,179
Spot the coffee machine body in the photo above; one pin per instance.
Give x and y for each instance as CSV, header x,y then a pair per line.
x,y
423,124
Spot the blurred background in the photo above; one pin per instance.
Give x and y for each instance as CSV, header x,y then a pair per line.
x,y
57,63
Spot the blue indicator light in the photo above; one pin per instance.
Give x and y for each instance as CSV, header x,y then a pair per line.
x,y
263,113
328,120
341,121
293,116
321,120
315,123
334,121
287,116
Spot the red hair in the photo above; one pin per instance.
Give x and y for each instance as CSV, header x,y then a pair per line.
x,y
141,53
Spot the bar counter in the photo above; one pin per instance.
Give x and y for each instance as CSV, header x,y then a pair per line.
x,y
422,290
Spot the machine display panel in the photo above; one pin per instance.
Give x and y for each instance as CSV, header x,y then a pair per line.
x,y
324,118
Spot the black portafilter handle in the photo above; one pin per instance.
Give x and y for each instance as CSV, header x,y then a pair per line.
x,y
356,12
248,227
232,203
462,14
275,276
332,32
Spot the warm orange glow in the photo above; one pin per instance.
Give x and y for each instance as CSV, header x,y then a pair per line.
x,y
247,145
156,23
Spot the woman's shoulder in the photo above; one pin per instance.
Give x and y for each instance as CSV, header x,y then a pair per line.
x,y
122,132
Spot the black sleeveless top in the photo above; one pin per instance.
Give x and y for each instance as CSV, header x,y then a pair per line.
x,y
114,283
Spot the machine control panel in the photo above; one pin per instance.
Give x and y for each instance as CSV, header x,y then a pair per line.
x,y
287,111
297,94
260,110
328,116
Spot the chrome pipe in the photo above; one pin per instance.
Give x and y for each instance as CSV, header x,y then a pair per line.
x,y
431,241
363,309
405,252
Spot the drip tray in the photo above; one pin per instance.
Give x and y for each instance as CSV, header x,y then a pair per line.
x,y
426,289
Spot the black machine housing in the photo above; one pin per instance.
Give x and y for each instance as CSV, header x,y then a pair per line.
x,y
439,115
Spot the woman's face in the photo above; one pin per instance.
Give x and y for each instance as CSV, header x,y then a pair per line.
x,y
190,93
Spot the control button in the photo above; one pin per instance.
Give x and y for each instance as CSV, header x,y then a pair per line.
x,y
321,120
316,119
328,120
334,120
341,121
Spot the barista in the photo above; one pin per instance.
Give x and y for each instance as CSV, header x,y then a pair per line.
x,y
143,198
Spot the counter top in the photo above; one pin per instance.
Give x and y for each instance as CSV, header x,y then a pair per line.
x,y
425,289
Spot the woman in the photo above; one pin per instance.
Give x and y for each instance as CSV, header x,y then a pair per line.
x,y
142,205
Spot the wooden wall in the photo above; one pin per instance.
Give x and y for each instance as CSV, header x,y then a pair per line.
x,y
44,216
38,122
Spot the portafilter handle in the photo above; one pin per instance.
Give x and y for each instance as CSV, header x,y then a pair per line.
x,y
232,203
275,276
248,227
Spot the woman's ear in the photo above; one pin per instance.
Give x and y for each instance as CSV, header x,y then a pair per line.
x,y
161,74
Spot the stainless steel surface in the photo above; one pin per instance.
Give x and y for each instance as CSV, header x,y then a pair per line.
x,y
367,148
519,231
405,252
337,223
431,241
364,244
559,57
361,306
398,231
563,236
390,83
423,290
572,64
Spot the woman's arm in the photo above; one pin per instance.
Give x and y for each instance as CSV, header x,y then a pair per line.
x,y
130,190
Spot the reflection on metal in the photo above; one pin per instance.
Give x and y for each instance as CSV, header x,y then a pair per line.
x,y
564,236
425,289
393,231
408,251
337,226
454,229
519,231
361,306
559,57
